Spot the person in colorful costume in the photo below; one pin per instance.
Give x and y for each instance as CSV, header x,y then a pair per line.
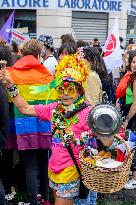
x,y
69,117
126,93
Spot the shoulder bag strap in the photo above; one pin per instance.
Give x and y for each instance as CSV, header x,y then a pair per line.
x,y
73,158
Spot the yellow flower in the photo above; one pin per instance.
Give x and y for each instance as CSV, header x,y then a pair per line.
x,y
72,66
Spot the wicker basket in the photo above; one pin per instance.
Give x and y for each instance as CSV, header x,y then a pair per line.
x,y
106,180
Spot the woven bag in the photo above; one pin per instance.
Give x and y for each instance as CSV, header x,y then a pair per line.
x,y
106,180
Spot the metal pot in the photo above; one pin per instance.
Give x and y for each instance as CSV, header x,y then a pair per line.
x,y
105,120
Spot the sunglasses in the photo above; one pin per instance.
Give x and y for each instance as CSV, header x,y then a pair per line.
x,y
69,90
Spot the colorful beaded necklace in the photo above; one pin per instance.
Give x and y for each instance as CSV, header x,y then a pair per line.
x,y
63,117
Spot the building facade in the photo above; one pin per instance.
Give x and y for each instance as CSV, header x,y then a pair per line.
x,y
84,25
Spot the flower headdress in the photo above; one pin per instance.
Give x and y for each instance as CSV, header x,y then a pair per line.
x,y
72,68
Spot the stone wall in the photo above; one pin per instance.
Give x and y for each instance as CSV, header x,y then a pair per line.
x,y
54,23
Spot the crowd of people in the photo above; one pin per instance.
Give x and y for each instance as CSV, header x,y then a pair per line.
x,y
44,111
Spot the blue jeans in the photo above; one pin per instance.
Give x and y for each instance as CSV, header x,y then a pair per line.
x,y
90,200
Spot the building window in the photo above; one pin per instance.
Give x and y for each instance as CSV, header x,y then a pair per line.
x,y
30,25
131,26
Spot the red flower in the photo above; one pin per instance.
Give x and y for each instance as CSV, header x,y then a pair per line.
x,y
62,110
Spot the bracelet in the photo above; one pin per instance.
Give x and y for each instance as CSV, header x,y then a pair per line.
x,y
13,91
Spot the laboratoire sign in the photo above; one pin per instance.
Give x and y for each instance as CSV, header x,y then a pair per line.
x,y
86,5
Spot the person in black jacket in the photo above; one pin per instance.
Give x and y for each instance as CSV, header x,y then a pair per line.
x,y
6,161
3,130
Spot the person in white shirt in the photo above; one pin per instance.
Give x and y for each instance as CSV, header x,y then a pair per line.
x,y
49,61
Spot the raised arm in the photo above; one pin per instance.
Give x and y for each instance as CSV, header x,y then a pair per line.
x,y
23,106
17,99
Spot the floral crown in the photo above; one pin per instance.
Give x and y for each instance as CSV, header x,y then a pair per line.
x,y
72,67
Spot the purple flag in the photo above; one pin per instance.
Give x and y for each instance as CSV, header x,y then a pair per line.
x,y
6,30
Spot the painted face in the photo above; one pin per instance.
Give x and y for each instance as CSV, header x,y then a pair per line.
x,y
133,65
67,93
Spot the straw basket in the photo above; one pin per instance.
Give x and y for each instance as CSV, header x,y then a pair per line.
x,y
106,180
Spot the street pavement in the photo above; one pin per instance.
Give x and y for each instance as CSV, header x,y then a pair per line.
x,y
123,197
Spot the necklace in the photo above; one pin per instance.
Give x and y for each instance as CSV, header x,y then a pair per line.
x,y
62,119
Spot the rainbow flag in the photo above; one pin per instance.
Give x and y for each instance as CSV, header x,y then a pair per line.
x,y
27,132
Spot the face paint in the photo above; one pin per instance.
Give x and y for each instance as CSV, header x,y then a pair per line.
x,y
67,89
